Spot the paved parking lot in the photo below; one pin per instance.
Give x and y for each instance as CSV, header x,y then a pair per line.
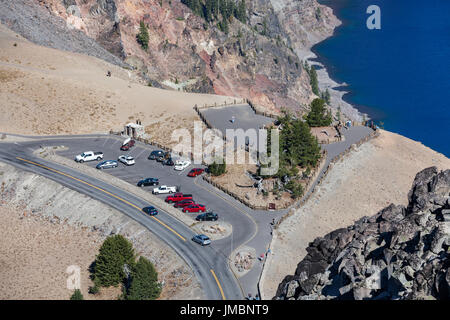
x,y
246,222
245,118
243,227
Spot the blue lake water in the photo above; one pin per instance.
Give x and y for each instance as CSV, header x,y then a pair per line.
x,y
399,75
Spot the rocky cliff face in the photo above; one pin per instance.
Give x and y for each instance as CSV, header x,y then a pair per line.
x,y
399,253
258,60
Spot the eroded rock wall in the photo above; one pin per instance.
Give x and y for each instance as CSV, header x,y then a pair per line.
x,y
258,60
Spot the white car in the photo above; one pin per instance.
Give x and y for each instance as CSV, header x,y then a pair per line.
x,y
128,160
181,165
164,189
89,156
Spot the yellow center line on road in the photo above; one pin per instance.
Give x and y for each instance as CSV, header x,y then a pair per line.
x,y
102,190
218,284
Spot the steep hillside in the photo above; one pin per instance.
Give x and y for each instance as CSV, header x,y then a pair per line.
x,y
399,253
257,59
47,91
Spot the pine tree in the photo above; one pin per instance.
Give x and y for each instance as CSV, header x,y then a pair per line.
x,y
241,14
77,295
114,254
313,80
144,282
217,168
325,95
318,116
208,12
142,37
298,147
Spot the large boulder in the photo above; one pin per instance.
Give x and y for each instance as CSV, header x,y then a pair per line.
x,y
399,253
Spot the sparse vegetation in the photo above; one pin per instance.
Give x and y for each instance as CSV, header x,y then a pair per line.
x,y
143,37
221,11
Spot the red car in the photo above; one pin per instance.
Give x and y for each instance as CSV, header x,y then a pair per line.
x,y
195,208
184,203
178,197
195,172
127,145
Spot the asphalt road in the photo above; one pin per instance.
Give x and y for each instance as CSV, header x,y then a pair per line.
x,y
245,118
209,264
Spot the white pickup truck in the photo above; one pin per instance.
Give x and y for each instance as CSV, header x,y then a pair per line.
x,y
89,156
164,189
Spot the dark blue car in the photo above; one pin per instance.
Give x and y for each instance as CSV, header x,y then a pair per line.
x,y
148,182
151,211
156,154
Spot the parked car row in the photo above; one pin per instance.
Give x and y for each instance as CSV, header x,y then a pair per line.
x,y
183,201
187,204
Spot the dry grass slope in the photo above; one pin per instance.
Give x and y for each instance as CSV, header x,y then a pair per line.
x,y
46,91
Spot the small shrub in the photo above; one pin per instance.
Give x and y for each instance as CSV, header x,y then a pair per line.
x,y
216,168
77,295
94,289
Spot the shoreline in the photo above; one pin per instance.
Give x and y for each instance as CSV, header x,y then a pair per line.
x,y
338,91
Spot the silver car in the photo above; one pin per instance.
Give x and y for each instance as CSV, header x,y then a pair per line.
x,y
127,160
107,164
201,239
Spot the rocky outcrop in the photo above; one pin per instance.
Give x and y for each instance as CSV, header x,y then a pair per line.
x,y
399,253
258,60
35,23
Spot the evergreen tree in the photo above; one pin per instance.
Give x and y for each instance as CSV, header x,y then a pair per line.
x,y
223,26
325,95
218,10
77,295
313,80
318,116
264,30
296,188
298,147
216,168
114,254
142,37
208,12
241,13
144,282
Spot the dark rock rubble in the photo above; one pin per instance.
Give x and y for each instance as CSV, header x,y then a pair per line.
x,y
401,253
